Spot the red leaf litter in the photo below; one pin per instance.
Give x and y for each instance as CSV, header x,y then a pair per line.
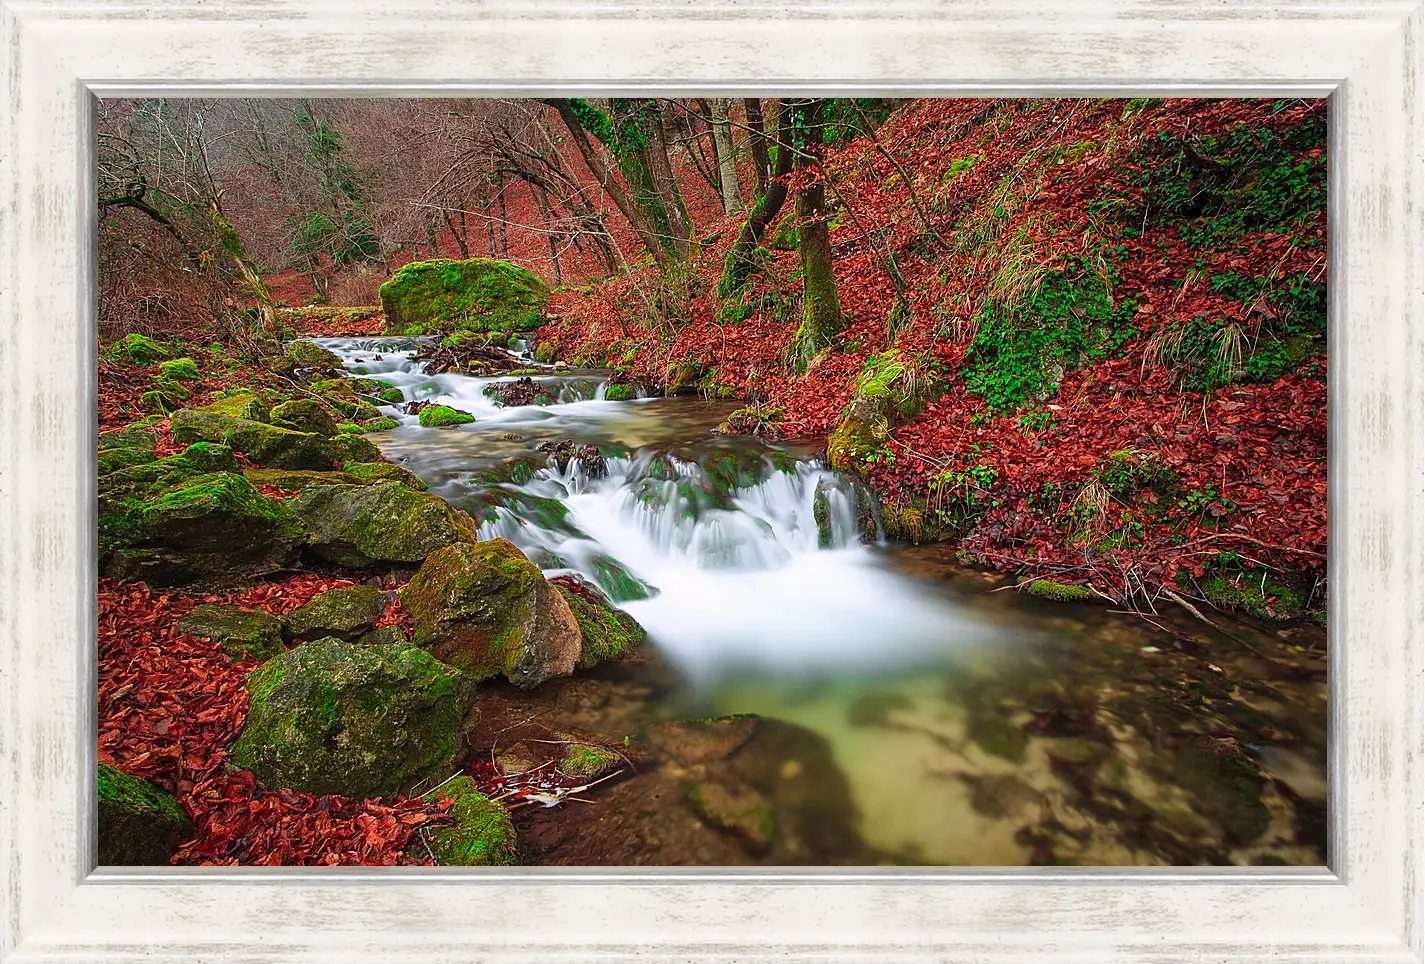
x,y
171,704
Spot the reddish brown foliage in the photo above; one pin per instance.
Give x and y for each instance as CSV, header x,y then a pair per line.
x,y
171,704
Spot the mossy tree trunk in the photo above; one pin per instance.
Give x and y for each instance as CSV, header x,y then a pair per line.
x,y
237,251
575,114
822,319
739,260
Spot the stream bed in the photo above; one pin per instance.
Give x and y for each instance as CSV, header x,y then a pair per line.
x,y
910,711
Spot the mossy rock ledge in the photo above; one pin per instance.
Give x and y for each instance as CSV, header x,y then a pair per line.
x,y
347,613
268,445
482,835
139,824
439,296
373,472
305,415
238,631
385,523
214,527
360,721
486,609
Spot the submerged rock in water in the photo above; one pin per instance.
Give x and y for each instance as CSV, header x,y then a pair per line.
x,y
736,808
487,610
482,835
139,824
702,741
356,525
237,630
346,613
337,717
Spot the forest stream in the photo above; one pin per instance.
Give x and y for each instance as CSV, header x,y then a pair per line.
x,y
910,710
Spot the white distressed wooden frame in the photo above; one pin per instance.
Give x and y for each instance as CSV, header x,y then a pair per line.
x,y
58,54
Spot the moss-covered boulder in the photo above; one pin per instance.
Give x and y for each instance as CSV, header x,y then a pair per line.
x,y
486,609
136,348
208,527
305,354
240,405
180,369
156,402
620,393
305,415
438,416
114,459
355,525
267,445
348,613
431,297
140,825
892,389
605,633
482,835
295,480
347,447
359,721
238,630
134,435
373,472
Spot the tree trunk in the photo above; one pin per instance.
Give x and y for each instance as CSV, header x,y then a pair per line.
x,y
726,159
667,185
739,259
757,141
821,304
636,219
232,244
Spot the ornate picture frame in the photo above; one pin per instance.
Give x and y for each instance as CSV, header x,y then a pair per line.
x,y
61,54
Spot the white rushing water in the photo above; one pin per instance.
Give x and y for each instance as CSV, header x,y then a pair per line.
x,y
742,561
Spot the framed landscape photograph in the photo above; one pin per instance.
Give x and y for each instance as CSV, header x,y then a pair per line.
x,y
712,484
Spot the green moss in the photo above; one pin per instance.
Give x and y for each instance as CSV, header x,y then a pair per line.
x,y
238,631
346,447
383,424
345,613
155,402
482,835
113,459
1256,594
481,294
137,349
304,354
583,761
1058,591
619,393
1127,472
436,416
295,480
605,633
545,352
240,405
139,824
852,444
304,415
180,369
372,472
335,717
386,522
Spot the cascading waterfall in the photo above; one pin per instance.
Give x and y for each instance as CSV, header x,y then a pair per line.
x,y
736,559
